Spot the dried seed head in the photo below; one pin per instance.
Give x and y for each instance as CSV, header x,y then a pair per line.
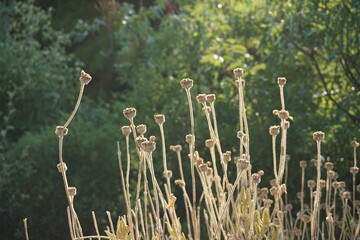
x,y
189,139
209,172
261,173
342,184
61,131
318,136
288,207
240,134
129,113
305,218
281,81
243,164
140,140
299,195
210,143
141,129
297,232
201,98
176,148
264,191
168,174
332,175
61,166
209,163
159,118
267,202
273,191
272,182
126,130
311,183
329,166
227,156
172,201
238,72
72,191
358,188
179,183
148,146
346,195
354,170
206,109
303,164
210,98
283,114
186,83
355,144
203,167
335,185
199,161
322,183
274,130
85,78
256,178
282,188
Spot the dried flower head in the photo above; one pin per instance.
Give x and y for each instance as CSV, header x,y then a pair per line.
x,y
272,182
240,134
355,144
243,164
288,207
209,172
203,167
275,112
322,183
152,138
281,81
318,136
305,218
358,188
201,98
354,170
61,166
282,188
126,130
61,131
267,202
168,174
303,164
140,140
346,195
329,166
141,129
172,201
227,156
332,175
283,114
85,78
129,113
189,139
176,148
179,183
256,178
72,191
264,191
273,191
342,184
261,172
238,72
148,146
311,183
186,83
210,143
210,98
159,118
274,130
335,185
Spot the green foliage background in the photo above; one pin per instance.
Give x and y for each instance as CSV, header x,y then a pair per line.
x,y
137,52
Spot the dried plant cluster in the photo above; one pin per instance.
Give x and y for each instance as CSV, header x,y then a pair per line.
x,y
227,210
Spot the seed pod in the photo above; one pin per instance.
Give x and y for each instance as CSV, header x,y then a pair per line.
x,y
203,167
148,146
172,201
322,183
209,172
329,166
305,218
282,188
177,148
311,183
126,130
72,191
243,164
288,207
210,98
201,98
256,178
168,174
210,143
85,78
267,203
275,112
283,114
199,161
140,140
152,138
189,139
303,164
346,195
159,118
272,182
335,185
264,191
297,232
238,72
129,113
273,191
332,174
61,131
61,166
227,156
179,183
261,173
274,130
281,81
186,83
355,144
354,170
141,129
318,136
342,184
240,134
